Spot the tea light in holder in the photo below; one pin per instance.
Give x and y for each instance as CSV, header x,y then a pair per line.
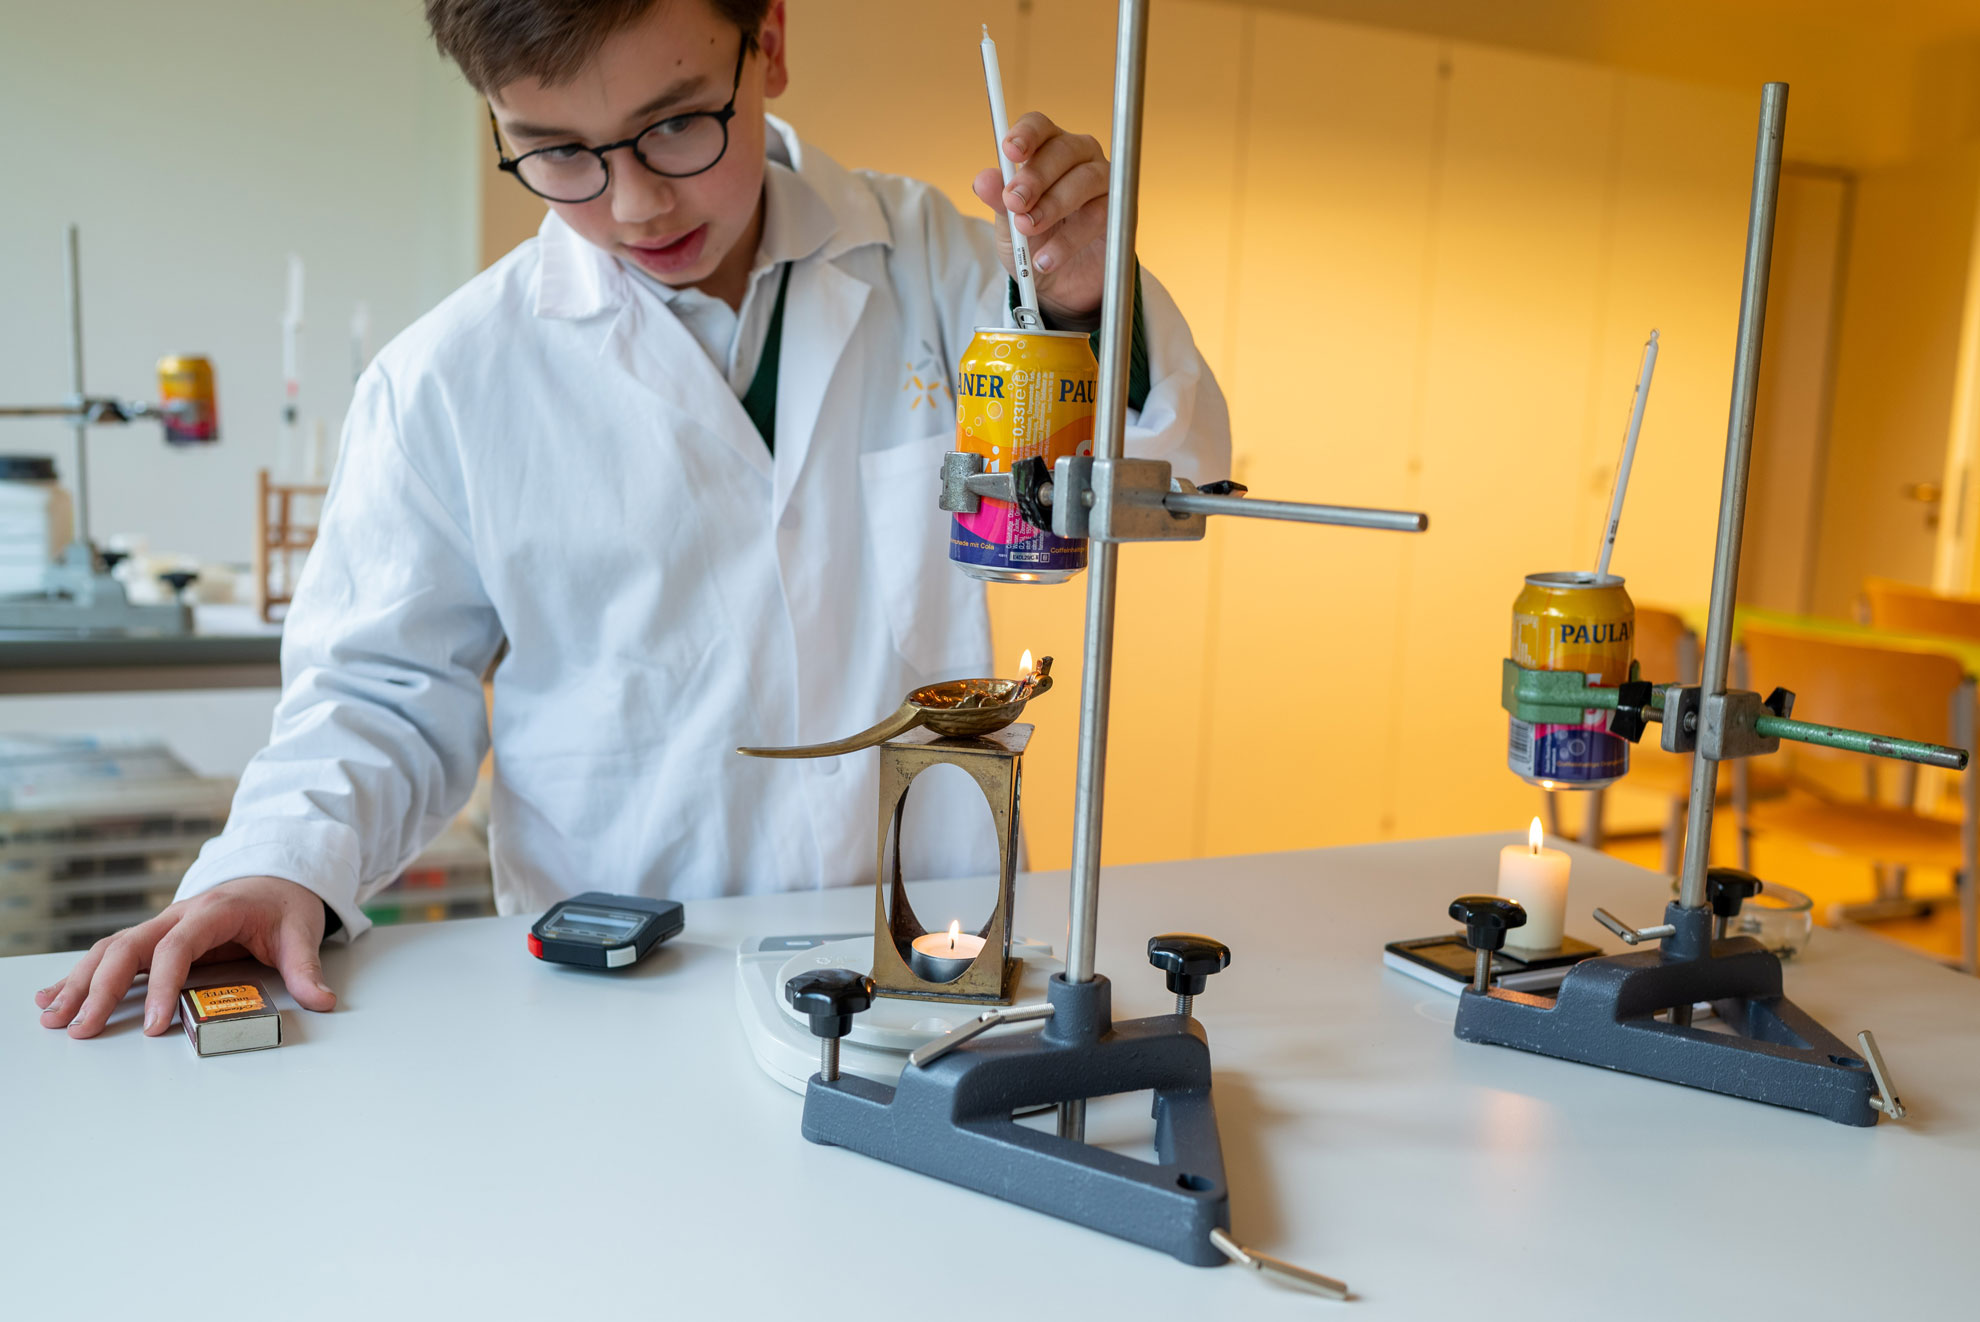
x,y
944,956
1537,877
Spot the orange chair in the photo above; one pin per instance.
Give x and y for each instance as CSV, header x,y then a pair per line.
x,y
1891,689
1908,609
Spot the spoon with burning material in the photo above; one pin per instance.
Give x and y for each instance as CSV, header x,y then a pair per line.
x,y
956,708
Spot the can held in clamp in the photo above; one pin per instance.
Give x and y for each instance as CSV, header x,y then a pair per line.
x,y
185,391
1021,395
1580,622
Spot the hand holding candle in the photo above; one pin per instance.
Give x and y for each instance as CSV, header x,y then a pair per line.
x,y
1537,878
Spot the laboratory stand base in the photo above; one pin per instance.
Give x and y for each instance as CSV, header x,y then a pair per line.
x,y
1764,1048
952,1120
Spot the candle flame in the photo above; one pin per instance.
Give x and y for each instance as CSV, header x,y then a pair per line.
x,y
955,926
1534,836
1024,665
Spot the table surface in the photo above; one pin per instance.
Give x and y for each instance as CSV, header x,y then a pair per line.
x,y
476,1134
231,647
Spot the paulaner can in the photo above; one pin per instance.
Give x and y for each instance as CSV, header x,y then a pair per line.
x,y
1572,621
185,389
1021,394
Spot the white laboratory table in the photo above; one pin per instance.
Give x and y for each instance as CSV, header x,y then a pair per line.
x,y
474,1134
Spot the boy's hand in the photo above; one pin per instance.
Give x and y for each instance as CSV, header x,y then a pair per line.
x,y
1059,195
275,921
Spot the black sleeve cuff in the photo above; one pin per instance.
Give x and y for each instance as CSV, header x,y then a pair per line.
x,y
1138,382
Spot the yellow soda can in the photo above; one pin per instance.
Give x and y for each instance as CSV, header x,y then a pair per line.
x,y
185,391
1580,622
1020,395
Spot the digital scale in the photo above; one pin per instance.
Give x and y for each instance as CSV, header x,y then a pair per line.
x,y
878,1046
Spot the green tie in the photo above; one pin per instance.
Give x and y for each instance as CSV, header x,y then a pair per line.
x,y
760,400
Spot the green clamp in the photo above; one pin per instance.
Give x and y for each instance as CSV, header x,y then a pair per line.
x,y
1556,697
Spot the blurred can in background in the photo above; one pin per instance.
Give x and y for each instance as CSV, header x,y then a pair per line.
x,y
1021,394
185,392
1572,621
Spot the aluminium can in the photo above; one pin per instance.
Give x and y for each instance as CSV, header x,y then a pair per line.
x,y
185,391
1581,622
1021,394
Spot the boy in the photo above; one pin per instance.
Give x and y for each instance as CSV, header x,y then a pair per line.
x,y
659,468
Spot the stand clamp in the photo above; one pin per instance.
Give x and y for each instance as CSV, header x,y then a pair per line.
x,y
1133,500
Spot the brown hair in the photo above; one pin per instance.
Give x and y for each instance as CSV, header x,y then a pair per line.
x,y
497,42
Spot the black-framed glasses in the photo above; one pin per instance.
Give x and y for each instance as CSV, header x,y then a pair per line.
x,y
676,147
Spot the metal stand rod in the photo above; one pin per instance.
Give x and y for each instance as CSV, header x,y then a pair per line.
x,y
72,272
1732,494
1340,516
1110,433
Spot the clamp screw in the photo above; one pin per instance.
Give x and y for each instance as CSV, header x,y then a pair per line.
x,y
830,997
1486,919
1189,960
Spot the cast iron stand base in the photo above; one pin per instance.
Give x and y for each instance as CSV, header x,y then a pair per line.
x,y
952,1120
1604,1015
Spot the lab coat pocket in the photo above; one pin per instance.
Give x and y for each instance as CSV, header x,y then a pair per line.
x,y
935,612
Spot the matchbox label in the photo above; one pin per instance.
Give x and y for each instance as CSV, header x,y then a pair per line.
x,y
212,1001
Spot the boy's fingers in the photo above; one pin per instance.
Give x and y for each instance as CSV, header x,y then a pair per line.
x,y
126,955
298,959
70,991
1047,169
172,959
1024,137
989,189
1085,226
1074,189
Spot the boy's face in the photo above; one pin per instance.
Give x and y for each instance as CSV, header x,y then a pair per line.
x,y
680,57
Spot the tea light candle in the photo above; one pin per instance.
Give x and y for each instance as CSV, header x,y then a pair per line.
x,y
944,956
1538,879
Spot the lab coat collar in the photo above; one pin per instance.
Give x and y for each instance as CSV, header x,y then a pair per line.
x,y
825,210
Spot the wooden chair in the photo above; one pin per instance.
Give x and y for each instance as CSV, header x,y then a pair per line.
x,y
1920,610
1832,801
281,539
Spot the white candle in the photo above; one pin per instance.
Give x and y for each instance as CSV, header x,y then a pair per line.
x,y
993,81
944,956
1537,878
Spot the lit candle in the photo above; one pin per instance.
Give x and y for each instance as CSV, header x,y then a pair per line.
x,y
1538,879
944,956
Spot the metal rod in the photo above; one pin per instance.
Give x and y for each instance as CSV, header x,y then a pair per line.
x,y
828,1059
1110,432
1861,741
1340,516
1739,453
1278,1269
72,272
69,410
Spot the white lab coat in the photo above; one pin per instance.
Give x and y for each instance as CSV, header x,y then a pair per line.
x,y
548,458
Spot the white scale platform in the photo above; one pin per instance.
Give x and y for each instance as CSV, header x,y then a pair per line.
x,y
881,1038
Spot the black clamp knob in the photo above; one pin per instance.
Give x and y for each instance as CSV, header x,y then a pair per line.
x,y
829,998
1188,959
1031,482
1224,488
1780,702
1486,919
111,559
178,580
1632,699
1726,889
